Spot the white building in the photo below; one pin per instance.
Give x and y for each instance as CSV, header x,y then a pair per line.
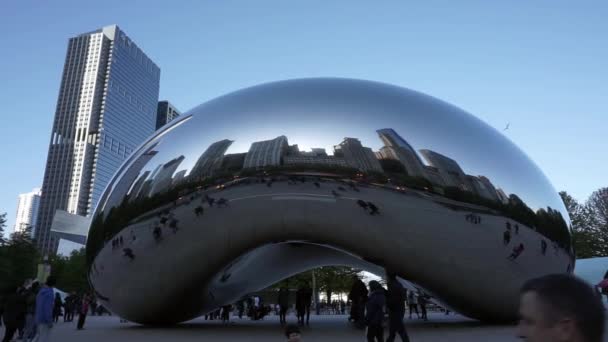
x,y
266,153
27,210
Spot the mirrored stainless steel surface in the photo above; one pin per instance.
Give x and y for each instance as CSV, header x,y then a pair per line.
x,y
272,180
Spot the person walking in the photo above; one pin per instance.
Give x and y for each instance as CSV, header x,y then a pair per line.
x,y
14,308
307,297
83,310
44,310
30,312
395,303
57,308
412,302
375,313
283,300
422,303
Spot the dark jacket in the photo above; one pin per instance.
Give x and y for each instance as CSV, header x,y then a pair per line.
x,y
283,297
375,304
14,309
395,299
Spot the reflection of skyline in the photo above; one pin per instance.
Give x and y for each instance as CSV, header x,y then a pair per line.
x,y
440,171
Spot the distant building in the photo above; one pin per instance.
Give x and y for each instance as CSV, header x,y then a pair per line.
x,y
493,195
357,156
163,180
266,153
479,188
395,147
233,161
315,152
502,196
314,160
27,211
165,112
211,159
178,177
433,175
448,168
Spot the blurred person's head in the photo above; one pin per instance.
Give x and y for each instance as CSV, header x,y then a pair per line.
x,y
560,308
51,281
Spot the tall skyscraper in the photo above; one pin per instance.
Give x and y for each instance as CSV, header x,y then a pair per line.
x,y
106,107
165,112
211,159
27,210
448,168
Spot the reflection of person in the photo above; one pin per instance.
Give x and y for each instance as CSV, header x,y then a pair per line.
x,y
560,307
506,237
422,304
543,247
375,313
283,304
516,252
293,334
395,303
412,302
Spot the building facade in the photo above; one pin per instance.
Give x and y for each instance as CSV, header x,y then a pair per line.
x,y
106,107
266,153
210,160
397,148
357,156
27,211
165,112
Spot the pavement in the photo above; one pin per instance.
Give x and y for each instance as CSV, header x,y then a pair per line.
x,y
333,328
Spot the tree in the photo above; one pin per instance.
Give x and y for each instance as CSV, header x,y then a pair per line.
x,y
71,271
335,279
589,228
597,206
18,259
2,226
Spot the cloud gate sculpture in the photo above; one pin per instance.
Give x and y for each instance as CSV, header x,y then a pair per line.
x,y
269,181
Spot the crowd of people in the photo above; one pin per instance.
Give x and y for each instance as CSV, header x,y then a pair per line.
x,y
29,312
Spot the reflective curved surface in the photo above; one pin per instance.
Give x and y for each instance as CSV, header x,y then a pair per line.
x,y
272,180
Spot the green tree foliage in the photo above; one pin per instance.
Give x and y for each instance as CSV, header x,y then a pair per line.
x,y
589,223
18,258
71,271
329,279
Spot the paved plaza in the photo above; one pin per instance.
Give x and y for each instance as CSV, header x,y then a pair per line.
x,y
322,328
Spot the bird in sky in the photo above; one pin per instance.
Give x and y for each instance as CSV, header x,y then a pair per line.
x,y
507,127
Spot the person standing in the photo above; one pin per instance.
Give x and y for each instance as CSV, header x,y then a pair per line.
x,y
375,313
283,304
307,297
44,310
395,302
412,303
13,309
300,307
82,312
57,308
30,312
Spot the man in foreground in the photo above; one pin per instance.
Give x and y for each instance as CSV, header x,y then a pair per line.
x,y
44,310
560,307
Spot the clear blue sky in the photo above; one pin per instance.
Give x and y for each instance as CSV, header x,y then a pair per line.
x,y
542,66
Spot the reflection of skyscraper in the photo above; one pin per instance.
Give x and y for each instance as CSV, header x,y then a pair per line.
x,y
179,177
211,159
266,153
395,147
27,211
357,156
138,185
163,179
479,188
489,187
433,175
448,168
126,181
502,196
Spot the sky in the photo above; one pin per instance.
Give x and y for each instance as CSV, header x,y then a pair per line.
x,y
541,67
